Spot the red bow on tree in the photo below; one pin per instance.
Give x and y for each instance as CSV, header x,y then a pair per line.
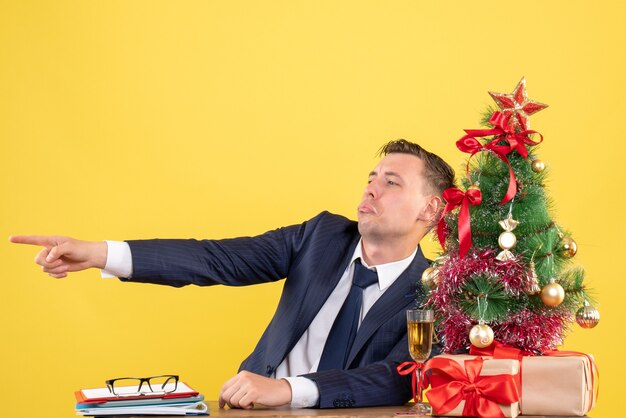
x,y
471,145
451,384
517,141
454,198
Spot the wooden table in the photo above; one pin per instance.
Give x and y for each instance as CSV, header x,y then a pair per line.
x,y
377,411
285,412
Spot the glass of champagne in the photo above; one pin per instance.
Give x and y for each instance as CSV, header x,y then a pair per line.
x,y
420,335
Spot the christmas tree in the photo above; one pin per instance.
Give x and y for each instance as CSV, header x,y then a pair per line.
x,y
506,269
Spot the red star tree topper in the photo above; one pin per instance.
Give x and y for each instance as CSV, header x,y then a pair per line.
x,y
517,107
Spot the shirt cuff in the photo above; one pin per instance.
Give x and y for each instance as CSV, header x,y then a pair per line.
x,y
304,392
119,260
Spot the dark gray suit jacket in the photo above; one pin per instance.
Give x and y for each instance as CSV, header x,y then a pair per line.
x,y
312,257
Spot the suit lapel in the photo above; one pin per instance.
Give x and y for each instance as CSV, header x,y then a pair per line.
x,y
330,268
400,295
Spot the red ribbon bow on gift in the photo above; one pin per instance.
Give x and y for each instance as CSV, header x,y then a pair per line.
x,y
516,141
454,198
411,367
452,384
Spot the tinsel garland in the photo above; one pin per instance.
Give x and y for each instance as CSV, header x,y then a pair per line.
x,y
525,329
534,331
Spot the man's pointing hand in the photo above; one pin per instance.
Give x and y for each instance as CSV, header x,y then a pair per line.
x,y
61,255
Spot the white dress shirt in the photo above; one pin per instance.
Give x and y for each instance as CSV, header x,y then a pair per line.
x,y
305,356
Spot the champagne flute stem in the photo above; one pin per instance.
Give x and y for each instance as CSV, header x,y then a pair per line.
x,y
418,391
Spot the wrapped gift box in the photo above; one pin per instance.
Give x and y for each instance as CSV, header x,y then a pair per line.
x,y
490,367
562,384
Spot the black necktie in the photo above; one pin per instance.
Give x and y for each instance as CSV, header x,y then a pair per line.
x,y
344,328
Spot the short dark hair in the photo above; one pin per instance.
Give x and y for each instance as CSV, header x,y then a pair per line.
x,y
437,172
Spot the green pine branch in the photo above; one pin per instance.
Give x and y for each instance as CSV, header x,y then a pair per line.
x,y
494,305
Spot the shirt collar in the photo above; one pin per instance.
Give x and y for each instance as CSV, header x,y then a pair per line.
x,y
388,272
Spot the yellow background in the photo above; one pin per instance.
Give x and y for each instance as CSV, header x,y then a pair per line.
x,y
141,119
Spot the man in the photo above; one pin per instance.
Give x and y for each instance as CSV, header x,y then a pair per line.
x,y
311,353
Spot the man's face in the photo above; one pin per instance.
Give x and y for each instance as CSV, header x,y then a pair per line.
x,y
394,198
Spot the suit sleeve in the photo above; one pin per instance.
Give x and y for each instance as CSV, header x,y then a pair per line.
x,y
233,262
375,384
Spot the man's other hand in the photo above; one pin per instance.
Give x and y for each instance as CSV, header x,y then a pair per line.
x,y
247,389
61,255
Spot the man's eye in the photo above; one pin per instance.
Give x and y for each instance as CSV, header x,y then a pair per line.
x,y
391,183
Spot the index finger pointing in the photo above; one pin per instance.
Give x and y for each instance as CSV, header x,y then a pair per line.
x,y
44,241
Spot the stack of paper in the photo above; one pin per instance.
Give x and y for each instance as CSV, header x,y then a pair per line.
x,y
183,401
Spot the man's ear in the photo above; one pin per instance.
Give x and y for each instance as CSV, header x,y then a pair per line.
x,y
432,211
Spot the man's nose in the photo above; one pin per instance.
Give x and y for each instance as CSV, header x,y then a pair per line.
x,y
372,190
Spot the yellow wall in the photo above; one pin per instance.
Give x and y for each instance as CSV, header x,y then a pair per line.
x,y
140,119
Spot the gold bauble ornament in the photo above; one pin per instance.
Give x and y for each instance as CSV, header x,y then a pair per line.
x,y
481,335
474,187
567,247
587,316
537,165
552,294
430,277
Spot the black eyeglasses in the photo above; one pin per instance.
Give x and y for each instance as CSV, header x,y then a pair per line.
x,y
135,386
